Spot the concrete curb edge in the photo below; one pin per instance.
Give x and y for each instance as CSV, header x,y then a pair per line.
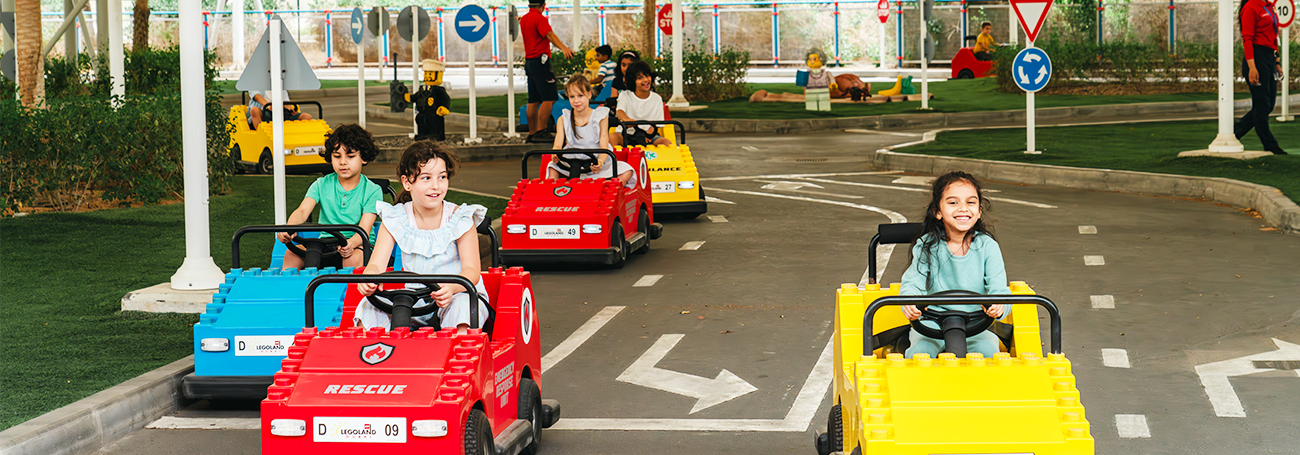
x,y
91,423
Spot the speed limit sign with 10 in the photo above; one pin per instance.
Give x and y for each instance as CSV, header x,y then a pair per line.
x,y
1285,10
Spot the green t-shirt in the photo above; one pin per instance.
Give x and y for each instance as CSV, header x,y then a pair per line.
x,y
344,207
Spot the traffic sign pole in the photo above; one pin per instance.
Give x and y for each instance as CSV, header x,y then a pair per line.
x,y
677,101
1030,140
925,66
510,73
361,85
473,99
277,119
415,69
882,13
1286,14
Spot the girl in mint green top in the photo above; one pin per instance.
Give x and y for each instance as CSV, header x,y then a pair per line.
x,y
956,251
345,197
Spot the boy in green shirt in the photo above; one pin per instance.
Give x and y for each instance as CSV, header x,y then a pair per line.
x,y
346,196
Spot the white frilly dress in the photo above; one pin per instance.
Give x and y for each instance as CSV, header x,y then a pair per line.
x,y
429,251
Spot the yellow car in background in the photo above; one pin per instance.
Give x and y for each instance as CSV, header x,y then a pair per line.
x,y
303,141
1018,401
674,180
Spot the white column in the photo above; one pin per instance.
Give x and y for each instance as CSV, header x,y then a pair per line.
x,y
1226,141
277,119
117,56
361,81
511,113
198,271
237,57
925,65
101,25
415,67
577,25
677,101
1286,76
884,44
473,98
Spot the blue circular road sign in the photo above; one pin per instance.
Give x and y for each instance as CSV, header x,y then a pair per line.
x,y
357,25
1032,69
472,23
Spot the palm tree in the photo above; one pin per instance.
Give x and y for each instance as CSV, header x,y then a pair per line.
x,y
31,72
140,23
648,30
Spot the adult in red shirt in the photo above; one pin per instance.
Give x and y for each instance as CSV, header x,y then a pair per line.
x,y
1261,69
542,92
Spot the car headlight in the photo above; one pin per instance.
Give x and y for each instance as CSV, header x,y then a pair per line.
x,y
214,345
429,428
591,228
288,427
516,229
686,184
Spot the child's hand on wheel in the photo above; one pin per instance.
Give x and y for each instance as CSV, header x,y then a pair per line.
x,y
995,311
283,236
911,312
442,296
367,289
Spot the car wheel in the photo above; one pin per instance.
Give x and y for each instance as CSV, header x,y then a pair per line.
x,y
530,407
235,156
619,241
643,226
835,430
477,436
264,163
965,74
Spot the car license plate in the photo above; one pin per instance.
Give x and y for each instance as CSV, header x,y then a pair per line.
x,y
663,187
560,231
263,346
359,429
306,151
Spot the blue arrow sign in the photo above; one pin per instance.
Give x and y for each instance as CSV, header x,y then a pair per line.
x,y
357,25
472,23
1032,69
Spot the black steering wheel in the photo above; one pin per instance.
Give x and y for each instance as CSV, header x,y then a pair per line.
x,y
954,326
577,167
634,135
313,250
403,302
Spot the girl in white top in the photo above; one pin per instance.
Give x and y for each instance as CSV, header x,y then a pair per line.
x,y
586,128
436,236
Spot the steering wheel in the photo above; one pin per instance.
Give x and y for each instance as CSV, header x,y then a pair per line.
x,y
403,303
635,135
576,167
313,250
954,326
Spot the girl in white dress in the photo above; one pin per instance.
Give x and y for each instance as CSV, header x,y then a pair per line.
x,y
436,237
586,128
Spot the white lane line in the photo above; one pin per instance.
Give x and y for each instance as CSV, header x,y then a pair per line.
x,y
892,133
717,218
647,281
1103,301
749,148
1132,426
692,245
1094,260
922,190
918,180
1086,229
720,201
797,187
579,336
205,423
796,176
1114,358
882,253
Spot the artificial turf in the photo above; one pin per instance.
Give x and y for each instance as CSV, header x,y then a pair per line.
x,y
63,335
965,95
1147,147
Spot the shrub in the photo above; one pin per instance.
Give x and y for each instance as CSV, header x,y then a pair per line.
x,y
1120,61
706,77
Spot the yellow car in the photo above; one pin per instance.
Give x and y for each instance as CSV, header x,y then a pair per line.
x,y
1019,401
303,142
674,180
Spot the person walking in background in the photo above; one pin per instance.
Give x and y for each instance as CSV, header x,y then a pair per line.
x,y
1261,69
542,92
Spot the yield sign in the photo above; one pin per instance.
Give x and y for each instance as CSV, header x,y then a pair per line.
x,y
1031,14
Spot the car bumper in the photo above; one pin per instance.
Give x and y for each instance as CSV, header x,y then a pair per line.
x,y
681,208
225,387
601,256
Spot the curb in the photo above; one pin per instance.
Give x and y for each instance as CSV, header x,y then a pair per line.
x,y
93,422
1275,208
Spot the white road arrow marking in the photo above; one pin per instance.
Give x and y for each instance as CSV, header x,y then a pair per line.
x,y
789,186
1024,78
477,23
1042,73
710,392
1214,376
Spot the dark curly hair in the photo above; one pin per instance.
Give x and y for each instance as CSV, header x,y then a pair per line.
x,y
355,138
417,155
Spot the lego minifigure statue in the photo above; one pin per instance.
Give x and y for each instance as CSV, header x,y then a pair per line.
x,y
817,91
431,103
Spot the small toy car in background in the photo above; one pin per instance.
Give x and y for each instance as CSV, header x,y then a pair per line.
x,y
251,149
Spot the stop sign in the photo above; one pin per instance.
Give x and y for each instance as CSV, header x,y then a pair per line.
x,y
882,11
666,20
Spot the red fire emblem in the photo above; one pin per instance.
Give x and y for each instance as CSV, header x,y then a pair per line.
x,y
376,353
563,190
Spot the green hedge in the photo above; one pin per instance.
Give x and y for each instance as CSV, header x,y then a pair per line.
x,y
79,147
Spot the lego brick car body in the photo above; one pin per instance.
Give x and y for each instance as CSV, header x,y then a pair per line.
x,y
304,140
675,181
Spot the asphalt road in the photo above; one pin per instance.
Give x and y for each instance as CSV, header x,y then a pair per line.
x,y
1192,283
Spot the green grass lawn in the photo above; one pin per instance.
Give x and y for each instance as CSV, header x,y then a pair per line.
x,y
62,334
228,87
969,95
1147,147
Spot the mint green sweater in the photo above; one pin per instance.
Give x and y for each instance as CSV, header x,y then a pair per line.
x,y
981,270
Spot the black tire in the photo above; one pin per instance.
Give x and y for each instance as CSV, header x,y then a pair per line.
x,y
235,157
835,430
618,240
965,74
477,435
643,226
265,165
530,407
